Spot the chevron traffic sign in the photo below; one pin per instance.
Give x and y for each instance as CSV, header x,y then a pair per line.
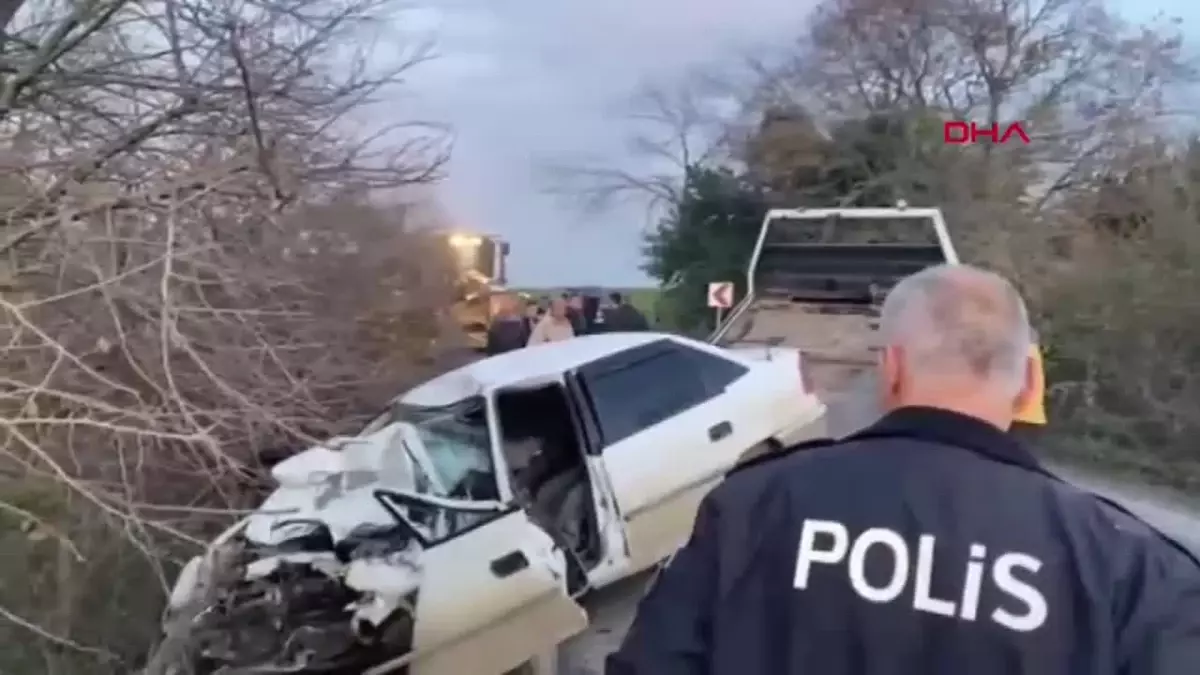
x,y
720,294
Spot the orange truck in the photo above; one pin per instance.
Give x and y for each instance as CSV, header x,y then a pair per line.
x,y
480,261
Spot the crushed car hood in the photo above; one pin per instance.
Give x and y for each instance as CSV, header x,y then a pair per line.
x,y
336,483
349,454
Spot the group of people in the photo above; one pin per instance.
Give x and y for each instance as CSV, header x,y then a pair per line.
x,y
518,323
933,542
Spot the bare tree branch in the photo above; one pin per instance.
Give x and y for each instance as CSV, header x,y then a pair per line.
x,y
193,270
1085,84
676,127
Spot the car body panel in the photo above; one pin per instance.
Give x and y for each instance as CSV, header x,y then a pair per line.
x,y
801,413
328,482
475,617
661,474
536,362
658,493
617,562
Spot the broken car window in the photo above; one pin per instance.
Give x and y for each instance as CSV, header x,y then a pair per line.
x,y
453,452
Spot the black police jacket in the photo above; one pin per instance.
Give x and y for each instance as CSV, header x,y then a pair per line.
x,y
625,318
506,335
928,544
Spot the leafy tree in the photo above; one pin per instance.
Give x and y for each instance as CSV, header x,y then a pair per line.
x,y
883,157
872,160
1083,81
708,236
1097,225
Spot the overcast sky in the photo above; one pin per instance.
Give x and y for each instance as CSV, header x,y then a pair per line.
x,y
527,81
524,82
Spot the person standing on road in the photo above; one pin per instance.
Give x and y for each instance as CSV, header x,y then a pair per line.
x,y
575,313
508,330
533,313
589,303
930,543
622,316
555,326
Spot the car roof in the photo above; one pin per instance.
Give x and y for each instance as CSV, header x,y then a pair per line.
x,y
530,363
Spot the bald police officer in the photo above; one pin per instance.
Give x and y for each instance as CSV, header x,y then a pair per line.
x,y
931,543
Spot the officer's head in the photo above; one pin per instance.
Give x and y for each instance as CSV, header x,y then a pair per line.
x,y
956,337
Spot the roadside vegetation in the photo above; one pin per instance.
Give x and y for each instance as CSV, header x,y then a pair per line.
x,y
1097,218
202,259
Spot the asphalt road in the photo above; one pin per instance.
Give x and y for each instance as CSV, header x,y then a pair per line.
x,y
613,608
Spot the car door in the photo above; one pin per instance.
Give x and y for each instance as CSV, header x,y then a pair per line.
x,y
492,591
664,437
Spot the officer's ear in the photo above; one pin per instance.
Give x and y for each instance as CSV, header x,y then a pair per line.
x,y
1030,388
891,372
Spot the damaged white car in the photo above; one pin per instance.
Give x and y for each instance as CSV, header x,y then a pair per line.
x,y
455,533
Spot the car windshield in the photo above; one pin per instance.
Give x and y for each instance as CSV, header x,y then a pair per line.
x,y
457,451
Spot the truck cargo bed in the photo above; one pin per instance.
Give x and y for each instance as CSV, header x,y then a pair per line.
x,y
839,348
816,283
836,344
